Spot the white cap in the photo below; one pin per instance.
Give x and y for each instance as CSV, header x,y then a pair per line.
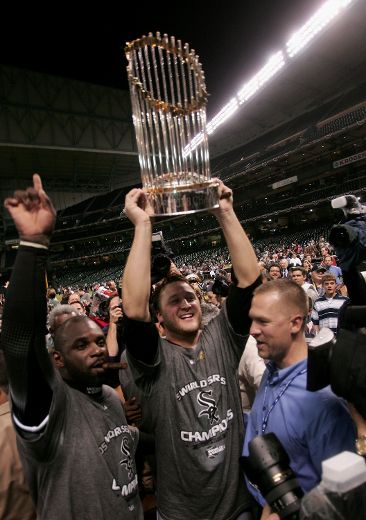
x,y
343,472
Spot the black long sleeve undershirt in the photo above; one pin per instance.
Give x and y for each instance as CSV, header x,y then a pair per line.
x,y
141,339
29,367
238,304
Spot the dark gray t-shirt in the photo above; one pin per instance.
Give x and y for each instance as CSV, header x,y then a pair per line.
x,y
194,409
82,466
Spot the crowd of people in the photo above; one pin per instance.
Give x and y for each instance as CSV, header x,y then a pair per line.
x,y
137,399
306,267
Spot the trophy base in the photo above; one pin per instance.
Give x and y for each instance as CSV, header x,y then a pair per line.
x,y
181,199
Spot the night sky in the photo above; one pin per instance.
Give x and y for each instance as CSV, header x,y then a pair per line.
x,y
234,39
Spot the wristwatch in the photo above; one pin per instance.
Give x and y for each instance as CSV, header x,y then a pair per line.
x,y
360,445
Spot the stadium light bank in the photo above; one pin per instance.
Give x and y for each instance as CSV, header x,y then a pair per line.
x,y
298,41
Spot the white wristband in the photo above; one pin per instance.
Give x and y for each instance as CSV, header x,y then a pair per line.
x,y
32,244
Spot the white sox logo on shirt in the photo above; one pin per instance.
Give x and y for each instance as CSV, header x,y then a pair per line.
x,y
127,462
205,399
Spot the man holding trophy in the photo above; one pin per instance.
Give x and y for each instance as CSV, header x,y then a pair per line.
x,y
189,376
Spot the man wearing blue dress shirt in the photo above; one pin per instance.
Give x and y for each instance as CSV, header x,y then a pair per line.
x,y
333,269
311,426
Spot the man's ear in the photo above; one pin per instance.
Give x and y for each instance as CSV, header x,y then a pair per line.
x,y
159,317
58,359
297,322
160,327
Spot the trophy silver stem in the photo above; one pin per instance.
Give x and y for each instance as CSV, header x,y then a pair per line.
x,y
161,114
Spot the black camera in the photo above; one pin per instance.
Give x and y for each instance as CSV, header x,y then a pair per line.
x,y
120,319
268,468
160,258
340,363
349,240
220,286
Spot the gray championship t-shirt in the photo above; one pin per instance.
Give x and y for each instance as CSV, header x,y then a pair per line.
x,y
194,410
82,466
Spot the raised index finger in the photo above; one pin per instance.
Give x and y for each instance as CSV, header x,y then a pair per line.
x,y
37,182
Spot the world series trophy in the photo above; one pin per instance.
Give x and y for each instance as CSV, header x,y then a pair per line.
x,y
168,97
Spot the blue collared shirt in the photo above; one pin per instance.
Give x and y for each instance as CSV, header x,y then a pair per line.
x,y
337,271
311,426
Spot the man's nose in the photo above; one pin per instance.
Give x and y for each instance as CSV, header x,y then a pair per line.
x,y
99,350
254,331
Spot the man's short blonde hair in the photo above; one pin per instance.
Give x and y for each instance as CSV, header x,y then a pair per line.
x,y
291,294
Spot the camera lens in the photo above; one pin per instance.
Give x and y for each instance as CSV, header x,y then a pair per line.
x,y
341,236
268,468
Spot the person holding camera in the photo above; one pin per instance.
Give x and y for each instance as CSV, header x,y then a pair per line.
x,y
115,316
189,376
311,426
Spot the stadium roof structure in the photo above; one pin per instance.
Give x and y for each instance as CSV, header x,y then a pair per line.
x,y
92,147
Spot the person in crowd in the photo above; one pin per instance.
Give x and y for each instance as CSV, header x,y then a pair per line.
x,y
263,271
195,280
307,266
311,426
324,253
101,290
52,301
262,267
85,299
333,269
66,291
251,368
97,311
81,292
74,297
309,259
274,272
285,273
327,308
78,306
76,447
15,499
317,273
133,403
111,286
213,299
294,260
298,275
114,338
309,330
189,378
